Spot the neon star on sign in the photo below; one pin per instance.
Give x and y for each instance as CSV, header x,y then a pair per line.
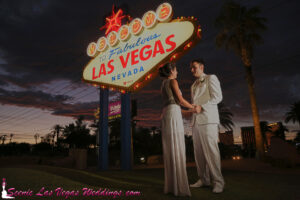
x,y
128,59
114,22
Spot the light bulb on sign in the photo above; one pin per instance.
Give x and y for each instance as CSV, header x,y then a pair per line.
x,y
187,46
173,57
137,85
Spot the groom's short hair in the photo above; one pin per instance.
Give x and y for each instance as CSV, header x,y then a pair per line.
x,y
199,60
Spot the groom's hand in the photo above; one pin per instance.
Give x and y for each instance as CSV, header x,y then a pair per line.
x,y
198,109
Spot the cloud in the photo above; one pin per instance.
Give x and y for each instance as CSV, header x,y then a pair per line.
x,y
55,103
3,83
75,110
37,99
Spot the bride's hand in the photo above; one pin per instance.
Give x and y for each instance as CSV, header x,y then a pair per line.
x,y
196,109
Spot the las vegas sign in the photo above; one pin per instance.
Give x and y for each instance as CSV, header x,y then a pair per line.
x,y
128,58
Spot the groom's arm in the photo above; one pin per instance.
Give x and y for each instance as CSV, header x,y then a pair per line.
x,y
214,90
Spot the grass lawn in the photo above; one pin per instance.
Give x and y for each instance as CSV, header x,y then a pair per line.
x,y
239,185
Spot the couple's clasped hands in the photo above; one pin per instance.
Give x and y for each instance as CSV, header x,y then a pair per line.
x,y
196,109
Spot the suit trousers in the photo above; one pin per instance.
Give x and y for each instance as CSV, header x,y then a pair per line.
x,y
207,154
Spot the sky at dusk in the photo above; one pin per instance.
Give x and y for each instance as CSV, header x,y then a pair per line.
x,y
43,51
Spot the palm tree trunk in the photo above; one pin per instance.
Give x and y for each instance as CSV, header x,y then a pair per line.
x,y
258,136
57,134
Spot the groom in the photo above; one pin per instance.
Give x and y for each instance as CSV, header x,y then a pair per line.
x,y
206,94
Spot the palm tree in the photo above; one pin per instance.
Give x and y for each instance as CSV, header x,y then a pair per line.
x,y
56,130
225,117
36,136
77,134
10,137
52,139
3,138
239,31
48,138
294,113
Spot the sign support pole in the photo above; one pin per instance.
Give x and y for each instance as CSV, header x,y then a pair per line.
x,y
125,132
103,131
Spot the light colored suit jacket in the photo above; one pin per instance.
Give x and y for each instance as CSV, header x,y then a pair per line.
x,y
206,92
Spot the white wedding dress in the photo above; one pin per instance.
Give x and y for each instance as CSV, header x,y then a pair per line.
x,y
173,143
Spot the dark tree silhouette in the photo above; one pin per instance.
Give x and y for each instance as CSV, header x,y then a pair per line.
x,y
239,30
3,138
294,113
225,117
77,135
297,138
11,137
36,137
56,131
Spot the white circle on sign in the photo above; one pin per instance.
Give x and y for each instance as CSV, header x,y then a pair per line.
x,y
149,19
136,26
124,33
164,12
91,49
112,38
102,44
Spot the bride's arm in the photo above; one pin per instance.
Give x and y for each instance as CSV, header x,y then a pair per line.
x,y
177,94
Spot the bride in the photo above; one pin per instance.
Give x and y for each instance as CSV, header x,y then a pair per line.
x,y
173,142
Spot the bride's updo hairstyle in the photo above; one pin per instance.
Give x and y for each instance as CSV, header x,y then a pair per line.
x,y
165,71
